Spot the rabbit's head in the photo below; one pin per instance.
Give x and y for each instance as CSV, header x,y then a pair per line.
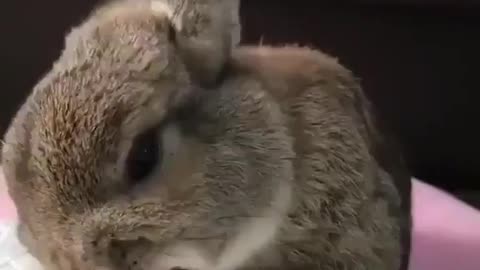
x,y
141,149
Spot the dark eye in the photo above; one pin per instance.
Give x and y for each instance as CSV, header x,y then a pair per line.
x,y
145,155
172,33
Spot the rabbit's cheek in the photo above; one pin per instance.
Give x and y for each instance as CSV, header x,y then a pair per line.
x,y
228,247
184,175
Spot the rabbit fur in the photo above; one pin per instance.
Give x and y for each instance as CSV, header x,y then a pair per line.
x,y
269,157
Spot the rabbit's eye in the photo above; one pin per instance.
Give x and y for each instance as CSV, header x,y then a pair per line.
x,y
144,156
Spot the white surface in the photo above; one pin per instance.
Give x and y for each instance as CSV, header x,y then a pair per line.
x,y
13,255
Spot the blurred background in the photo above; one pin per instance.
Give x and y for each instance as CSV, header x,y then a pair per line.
x,y
417,59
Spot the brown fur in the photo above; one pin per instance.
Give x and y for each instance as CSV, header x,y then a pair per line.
x,y
268,117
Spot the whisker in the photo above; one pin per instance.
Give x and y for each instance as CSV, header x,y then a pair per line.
x,y
201,238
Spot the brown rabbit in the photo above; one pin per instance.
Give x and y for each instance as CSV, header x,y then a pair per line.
x,y
154,143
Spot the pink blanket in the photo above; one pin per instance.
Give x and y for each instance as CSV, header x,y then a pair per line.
x,y
446,232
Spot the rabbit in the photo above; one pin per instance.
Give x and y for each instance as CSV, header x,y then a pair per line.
x,y
149,146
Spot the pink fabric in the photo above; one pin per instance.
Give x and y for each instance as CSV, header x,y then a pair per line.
x,y
7,209
446,232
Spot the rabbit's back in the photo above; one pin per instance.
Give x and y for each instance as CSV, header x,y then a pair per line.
x,y
351,204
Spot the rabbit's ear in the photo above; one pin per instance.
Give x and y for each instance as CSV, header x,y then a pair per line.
x,y
206,31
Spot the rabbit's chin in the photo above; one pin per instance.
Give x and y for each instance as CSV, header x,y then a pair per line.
x,y
252,239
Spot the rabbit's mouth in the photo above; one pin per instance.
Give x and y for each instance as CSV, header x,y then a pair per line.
x,y
197,250
229,251
144,254
222,251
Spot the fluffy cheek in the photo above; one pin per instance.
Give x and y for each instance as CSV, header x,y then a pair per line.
x,y
213,247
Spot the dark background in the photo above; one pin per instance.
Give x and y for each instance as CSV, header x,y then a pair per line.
x,y
418,61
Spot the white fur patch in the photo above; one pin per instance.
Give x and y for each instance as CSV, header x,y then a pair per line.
x,y
256,235
182,256
160,7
